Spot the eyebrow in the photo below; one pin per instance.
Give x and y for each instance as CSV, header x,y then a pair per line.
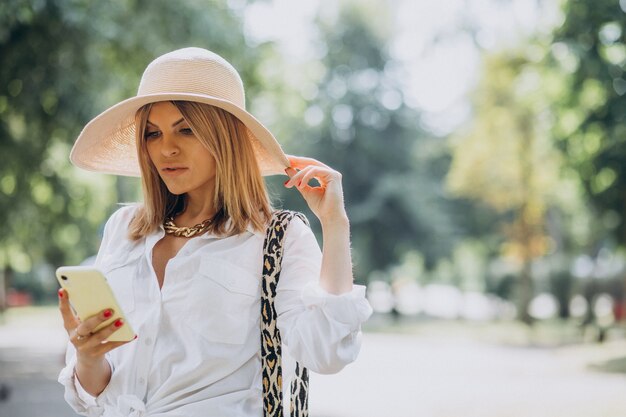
x,y
174,125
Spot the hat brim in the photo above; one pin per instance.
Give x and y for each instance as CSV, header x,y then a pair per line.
x,y
107,143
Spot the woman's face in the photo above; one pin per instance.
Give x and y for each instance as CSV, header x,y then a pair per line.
x,y
182,161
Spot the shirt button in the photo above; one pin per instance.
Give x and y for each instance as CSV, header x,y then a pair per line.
x,y
142,381
148,341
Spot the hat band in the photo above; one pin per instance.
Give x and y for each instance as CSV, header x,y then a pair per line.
x,y
196,78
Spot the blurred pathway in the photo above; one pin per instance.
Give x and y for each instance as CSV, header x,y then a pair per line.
x,y
410,376
395,375
32,348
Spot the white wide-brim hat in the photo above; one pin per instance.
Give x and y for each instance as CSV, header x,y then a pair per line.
x,y
107,143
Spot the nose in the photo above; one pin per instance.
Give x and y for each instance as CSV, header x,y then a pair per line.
x,y
169,147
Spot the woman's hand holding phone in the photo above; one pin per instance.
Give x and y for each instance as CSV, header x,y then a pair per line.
x,y
92,370
88,342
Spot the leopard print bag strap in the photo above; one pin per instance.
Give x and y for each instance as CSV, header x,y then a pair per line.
x,y
271,349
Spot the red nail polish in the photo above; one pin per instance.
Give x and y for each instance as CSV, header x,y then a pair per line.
x,y
119,323
61,293
135,337
286,182
107,313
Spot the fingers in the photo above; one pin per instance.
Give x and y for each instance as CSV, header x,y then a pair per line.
x,y
70,321
300,162
88,326
290,172
297,178
107,331
323,175
87,341
95,344
308,176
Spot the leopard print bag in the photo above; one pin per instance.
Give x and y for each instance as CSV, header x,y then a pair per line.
x,y
270,335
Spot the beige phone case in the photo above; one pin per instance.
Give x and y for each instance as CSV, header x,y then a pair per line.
x,y
89,294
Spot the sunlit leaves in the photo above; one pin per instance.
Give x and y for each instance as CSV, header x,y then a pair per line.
x,y
62,63
592,95
40,191
506,157
603,180
359,124
595,143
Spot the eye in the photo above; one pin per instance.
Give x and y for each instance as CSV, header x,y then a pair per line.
x,y
151,135
186,131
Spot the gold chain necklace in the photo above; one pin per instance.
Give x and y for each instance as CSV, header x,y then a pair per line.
x,y
171,228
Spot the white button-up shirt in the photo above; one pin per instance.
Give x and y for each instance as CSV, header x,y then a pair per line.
x,y
198,352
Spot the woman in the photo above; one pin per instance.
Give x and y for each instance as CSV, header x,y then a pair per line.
x,y
192,293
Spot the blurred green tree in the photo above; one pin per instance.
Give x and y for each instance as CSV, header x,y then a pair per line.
x,y
357,122
62,62
506,158
590,51
590,48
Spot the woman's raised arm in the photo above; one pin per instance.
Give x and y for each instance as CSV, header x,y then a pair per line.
x,y
326,202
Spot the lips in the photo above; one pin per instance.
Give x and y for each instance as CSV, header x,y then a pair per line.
x,y
173,170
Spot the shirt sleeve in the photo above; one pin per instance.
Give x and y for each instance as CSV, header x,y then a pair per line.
x,y
75,395
322,331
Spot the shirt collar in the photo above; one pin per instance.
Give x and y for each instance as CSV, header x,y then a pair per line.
x,y
250,229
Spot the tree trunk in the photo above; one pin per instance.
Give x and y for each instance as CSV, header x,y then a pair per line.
x,y
525,294
5,281
526,231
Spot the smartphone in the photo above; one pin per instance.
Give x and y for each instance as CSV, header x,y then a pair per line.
x,y
90,293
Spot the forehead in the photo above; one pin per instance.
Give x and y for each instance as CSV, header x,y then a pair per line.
x,y
163,112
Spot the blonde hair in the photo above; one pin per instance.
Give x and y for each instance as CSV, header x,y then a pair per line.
x,y
240,193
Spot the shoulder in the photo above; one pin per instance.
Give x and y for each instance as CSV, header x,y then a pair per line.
x,y
283,214
116,246
124,214
299,233
294,222
299,223
301,246
121,218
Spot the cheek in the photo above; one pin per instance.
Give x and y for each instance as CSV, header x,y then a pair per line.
x,y
150,152
150,161
205,159
210,164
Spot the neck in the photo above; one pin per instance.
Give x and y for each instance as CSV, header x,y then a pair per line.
x,y
198,209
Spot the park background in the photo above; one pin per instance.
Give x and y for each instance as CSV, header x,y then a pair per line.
x,y
482,145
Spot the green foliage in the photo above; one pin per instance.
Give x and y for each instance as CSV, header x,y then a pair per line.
x,y
392,171
63,62
590,50
544,152
546,145
45,206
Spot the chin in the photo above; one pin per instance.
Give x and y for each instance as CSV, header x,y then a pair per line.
x,y
174,189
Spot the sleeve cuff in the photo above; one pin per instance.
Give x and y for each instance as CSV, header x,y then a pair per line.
x,y
79,403
351,308
77,397
89,399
